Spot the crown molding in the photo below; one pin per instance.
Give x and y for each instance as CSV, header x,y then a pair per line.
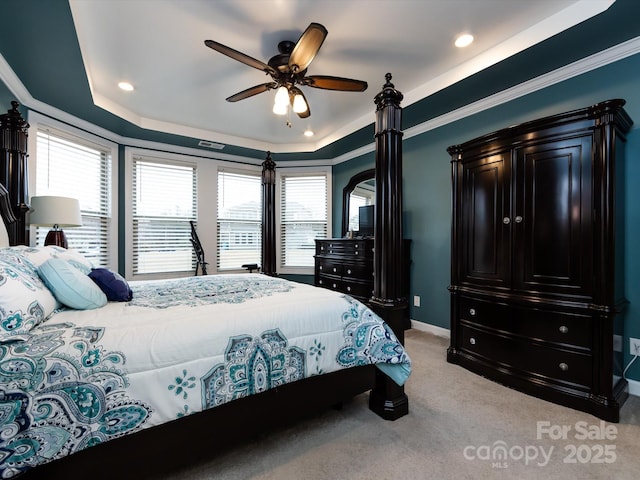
x,y
611,55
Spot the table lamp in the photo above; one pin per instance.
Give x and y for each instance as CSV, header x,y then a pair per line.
x,y
55,212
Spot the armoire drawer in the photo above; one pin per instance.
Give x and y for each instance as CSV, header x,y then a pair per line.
x,y
546,325
530,359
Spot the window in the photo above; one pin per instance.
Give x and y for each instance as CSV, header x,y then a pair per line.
x,y
303,217
71,166
239,222
163,202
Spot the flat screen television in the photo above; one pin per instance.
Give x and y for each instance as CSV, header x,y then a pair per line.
x,y
366,220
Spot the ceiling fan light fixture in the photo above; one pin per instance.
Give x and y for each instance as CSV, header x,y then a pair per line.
x,y
299,105
279,109
282,97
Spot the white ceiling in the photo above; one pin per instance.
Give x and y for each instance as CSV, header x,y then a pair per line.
x,y
181,85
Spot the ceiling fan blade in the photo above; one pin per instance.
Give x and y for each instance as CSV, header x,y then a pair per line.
x,y
250,92
239,56
307,47
335,83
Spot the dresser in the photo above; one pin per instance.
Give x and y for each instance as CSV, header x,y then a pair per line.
x,y
537,257
345,265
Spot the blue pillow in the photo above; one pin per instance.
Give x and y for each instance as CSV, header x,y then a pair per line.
x,y
112,284
70,286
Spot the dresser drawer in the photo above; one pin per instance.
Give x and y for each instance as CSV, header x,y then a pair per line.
x,y
551,326
350,248
328,247
329,282
530,359
358,271
329,266
358,289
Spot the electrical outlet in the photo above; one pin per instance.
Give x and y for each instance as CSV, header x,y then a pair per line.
x,y
634,346
416,300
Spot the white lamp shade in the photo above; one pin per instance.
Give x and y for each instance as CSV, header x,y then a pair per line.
x,y
47,211
282,96
299,105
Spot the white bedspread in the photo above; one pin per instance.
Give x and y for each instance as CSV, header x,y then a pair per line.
x,y
85,377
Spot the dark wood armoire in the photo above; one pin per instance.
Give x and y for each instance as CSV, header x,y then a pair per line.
x,y
537,267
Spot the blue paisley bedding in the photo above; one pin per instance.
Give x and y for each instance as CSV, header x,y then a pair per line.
x,y
181,346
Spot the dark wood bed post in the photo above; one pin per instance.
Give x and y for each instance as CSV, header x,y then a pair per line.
x,y
389,301
14,173
269,216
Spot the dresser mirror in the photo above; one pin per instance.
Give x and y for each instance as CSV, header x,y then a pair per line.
x,y
359,192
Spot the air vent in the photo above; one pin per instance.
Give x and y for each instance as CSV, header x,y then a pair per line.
x,y
208,144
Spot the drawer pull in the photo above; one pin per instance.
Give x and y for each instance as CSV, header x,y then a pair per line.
x,y
320,281
348,289
349,271
564,329
335,269
334,285
564,367
472,341
472,312
320,267
506,220
356,253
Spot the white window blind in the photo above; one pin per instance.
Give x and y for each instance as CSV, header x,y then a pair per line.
x,y
163,203
239,219
303,217
69,166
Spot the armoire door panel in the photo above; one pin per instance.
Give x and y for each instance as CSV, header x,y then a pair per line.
x,y
552,221
485,258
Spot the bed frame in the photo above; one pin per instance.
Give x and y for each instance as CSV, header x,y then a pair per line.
x,y
199,436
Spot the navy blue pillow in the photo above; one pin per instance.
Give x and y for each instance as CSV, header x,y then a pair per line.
x,y
112,284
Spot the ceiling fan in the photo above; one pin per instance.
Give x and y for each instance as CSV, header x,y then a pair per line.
x,y
288,69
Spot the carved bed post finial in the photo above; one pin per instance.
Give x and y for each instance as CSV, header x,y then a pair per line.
x,y
13,169
269,216
388,399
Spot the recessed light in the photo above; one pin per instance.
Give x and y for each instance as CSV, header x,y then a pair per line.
x,y
126,86
464,40
308,133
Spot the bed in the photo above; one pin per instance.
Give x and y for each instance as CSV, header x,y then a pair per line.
x,y
73,378
140,386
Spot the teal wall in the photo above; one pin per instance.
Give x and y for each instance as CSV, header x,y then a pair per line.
x,y
427,180
5,97
426,183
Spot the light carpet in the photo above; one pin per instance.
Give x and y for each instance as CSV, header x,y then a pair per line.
x,y
458,426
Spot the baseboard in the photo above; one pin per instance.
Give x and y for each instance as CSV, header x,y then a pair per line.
x,y
427,327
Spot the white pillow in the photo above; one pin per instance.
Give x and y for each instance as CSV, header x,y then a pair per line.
x,y
24,300
4,236
40,254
